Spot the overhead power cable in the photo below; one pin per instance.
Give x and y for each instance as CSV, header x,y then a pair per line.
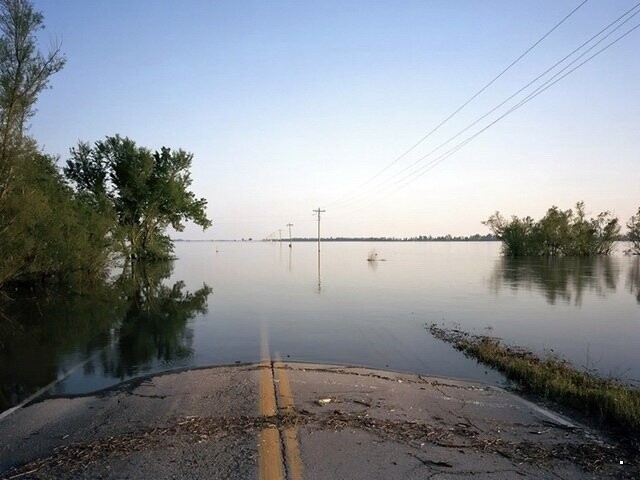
x,y
421,159
473,97
533,81
523,102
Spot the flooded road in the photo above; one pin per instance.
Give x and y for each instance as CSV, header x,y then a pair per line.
x,y
207,308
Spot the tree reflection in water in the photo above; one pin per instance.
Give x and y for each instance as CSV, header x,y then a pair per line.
x,y
564,279
154,324
124,326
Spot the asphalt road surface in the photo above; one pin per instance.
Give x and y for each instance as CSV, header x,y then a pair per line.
x,y
276,420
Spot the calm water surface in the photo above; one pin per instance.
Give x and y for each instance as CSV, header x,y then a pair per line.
x,y
212,304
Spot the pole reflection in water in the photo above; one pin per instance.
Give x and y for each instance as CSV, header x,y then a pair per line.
x,y
319,288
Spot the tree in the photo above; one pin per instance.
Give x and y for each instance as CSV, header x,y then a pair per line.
x,y
567,233
147,192
24,74
634,233
42,227
51,232
517,235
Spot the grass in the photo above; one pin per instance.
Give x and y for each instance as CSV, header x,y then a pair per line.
x,y
610,401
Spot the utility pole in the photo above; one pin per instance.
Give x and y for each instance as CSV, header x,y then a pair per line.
x,y
289,225
280,234
318,212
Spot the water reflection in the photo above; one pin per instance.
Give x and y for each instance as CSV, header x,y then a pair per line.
x,y
121,324
558,279
633,279
154,324
319,286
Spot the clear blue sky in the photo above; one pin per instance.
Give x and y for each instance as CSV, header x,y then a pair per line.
x,y
292,105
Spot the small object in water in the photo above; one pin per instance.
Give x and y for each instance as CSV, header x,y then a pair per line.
x,y
323,401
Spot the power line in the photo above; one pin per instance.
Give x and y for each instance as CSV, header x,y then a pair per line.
x,y
529,97
542,88
531,83
536,91
523,102
473,97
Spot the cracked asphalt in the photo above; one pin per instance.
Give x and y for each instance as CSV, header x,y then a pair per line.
x,y
277,420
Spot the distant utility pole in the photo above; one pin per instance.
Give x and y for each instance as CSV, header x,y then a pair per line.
x,y
289,225
280,234
318,212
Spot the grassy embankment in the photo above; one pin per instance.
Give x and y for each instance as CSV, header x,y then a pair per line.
x,y
612,402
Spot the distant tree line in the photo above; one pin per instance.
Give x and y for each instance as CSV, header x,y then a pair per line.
x,y
112,199
563,233
421,238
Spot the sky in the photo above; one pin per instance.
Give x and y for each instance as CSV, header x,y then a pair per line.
x,y
289,106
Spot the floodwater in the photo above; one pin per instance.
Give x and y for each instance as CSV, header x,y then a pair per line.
x,y
223,302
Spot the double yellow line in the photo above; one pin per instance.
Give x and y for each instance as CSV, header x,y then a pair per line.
x,y
270,455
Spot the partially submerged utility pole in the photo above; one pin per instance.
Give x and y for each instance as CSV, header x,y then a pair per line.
x,y
318,212
289,225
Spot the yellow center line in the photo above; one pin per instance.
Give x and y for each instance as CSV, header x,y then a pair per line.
x,y
270,465
285,395
267,393
290,434
270,455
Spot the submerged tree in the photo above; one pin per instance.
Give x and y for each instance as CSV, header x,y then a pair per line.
x,y
634,233
51,233
44,230
517,235
147,192
567,233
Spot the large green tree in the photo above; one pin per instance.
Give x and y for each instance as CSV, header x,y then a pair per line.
x,y
147,192
44,230
50,232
